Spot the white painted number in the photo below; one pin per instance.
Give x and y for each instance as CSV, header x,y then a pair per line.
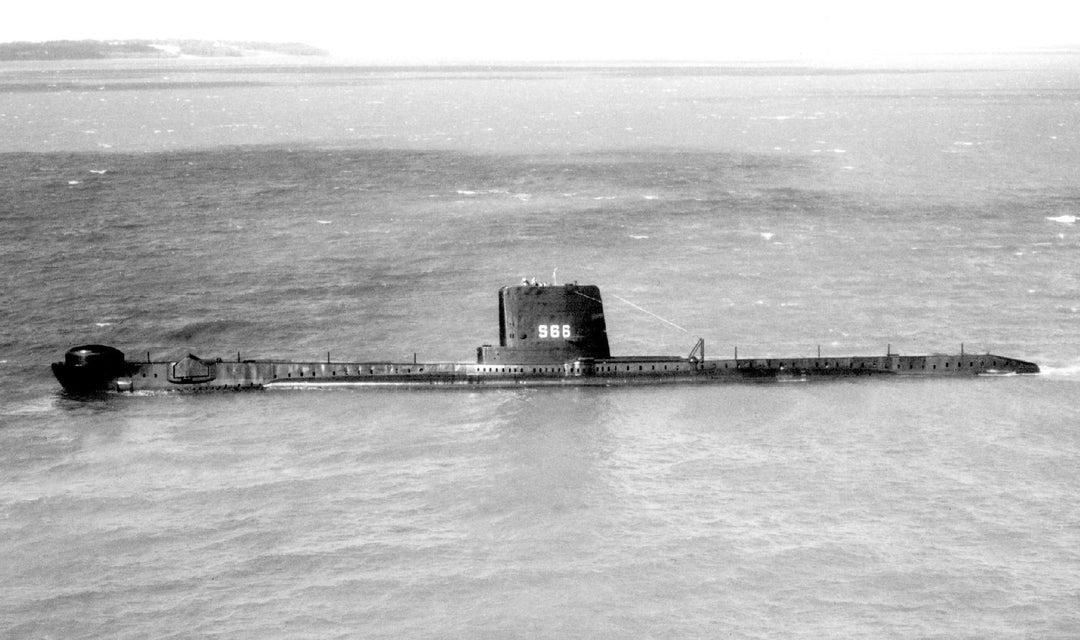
x,y
553,331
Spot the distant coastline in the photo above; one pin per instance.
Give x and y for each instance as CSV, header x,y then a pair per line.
x,y
104,49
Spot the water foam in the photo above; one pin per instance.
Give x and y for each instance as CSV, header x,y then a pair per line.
x,y
35,406
1063,371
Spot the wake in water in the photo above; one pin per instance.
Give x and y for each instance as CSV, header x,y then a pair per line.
x,y
1063,371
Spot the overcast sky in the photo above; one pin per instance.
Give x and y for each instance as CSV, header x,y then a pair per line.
x,y
408,30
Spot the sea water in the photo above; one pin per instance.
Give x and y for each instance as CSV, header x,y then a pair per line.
x,y
253,209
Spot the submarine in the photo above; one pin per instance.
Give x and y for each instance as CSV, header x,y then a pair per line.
x,y
549,335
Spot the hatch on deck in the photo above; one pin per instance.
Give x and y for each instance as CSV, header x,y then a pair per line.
x,y
191,370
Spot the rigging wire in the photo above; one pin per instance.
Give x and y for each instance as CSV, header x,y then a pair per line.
x,y
624,300
650,313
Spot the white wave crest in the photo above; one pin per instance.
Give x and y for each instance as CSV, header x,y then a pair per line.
x,y
39,405
1063,371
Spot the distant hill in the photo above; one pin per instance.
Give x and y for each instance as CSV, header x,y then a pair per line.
x,y
100,49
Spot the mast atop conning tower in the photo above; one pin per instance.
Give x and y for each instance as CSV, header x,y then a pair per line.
x,y
548,324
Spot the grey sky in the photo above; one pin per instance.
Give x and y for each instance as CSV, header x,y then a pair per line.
x,y
405,30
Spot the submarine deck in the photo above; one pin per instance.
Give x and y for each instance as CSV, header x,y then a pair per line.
x,y
195,374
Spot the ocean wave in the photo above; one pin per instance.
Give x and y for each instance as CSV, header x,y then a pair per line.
x,y
471,192
31,407
1062,371
205,329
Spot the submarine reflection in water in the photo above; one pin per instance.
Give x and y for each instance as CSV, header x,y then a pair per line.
x,y
548,335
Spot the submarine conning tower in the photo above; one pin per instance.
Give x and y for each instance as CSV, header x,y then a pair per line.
x,y
548,324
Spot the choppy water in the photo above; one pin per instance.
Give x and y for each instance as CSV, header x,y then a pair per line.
x,y
291,211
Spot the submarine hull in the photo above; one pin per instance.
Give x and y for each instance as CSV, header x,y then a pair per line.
x,y
548,336
211,375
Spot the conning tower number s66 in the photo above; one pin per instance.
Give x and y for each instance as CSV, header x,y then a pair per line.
x,y
554,331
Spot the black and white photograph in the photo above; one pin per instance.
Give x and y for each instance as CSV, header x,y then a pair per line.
x,y
580,320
